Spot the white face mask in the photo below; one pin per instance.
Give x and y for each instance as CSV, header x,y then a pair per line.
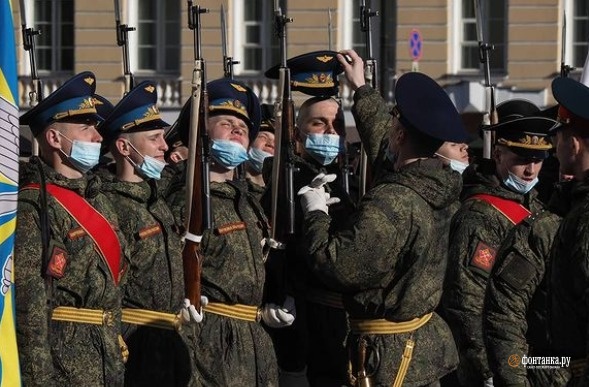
x,y
456,165
518,185
84,155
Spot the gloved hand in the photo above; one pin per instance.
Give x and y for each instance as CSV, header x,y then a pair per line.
x,y
313,195
189,312
276,316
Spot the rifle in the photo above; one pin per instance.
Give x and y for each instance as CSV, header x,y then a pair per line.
x,y
564,68
228,61
283,167
198,184
36,93
489,118
371,78
123,41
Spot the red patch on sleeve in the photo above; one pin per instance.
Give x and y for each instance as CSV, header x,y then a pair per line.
x,y
483,257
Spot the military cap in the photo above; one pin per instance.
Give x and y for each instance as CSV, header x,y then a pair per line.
x,y
314,73
526,136
423,105
228,96
103,106
573,100
71,101
267,122
516,108
136,112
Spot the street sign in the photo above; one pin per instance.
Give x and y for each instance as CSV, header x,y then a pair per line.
x,y
415,45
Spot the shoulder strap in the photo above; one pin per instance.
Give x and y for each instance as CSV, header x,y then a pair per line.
x,y
92,221
512,210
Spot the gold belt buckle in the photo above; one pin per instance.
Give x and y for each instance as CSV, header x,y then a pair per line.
x,y
108,318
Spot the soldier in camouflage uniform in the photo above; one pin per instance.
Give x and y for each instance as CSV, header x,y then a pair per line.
x,y
312,351
154,293
496,196
68,297
232,347
567,275
387,254
515,310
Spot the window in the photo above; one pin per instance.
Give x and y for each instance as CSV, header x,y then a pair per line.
x,y
580,33
55,45
257,47
494,24
158,36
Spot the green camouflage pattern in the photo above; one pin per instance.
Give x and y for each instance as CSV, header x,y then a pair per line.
x,y
388,260
476,225
569,280
55,353
515,309
155,282
231,352
173,191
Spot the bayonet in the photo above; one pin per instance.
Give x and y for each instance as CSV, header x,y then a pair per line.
x,y
123,42
329,29
564,68
228,61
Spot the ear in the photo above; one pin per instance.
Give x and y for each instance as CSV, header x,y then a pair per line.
x,y
53,138
577,145
122,146
175,157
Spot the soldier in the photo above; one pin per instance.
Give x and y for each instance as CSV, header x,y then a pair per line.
x,y
68,256
569,255
496,196
515,310
261,148
233,349
312,350
154,294
386,255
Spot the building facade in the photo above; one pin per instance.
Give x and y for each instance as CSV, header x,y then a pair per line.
x,y
439,38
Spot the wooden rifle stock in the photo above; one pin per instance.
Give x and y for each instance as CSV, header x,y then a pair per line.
x,y
198,204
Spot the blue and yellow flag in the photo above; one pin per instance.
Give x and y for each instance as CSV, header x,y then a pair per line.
x,y
9,150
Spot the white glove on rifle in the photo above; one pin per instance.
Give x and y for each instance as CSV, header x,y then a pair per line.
x,y
313,195
276,316
189,312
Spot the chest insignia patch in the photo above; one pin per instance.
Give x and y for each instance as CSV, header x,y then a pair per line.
x,y
57,262
483,258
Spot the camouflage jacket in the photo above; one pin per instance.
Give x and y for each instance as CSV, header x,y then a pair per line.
x,y
56,353
232,352
388,258
173,190
569,280
155,282
515,309
476,232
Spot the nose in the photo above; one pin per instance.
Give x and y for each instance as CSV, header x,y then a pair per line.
x,y
238,130
163,144
532,168
330,129
96,137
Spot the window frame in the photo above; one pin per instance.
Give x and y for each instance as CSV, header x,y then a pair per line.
x,y
570,54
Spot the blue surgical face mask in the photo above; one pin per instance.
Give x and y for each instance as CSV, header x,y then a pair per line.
x,y
518,185
323,147
228,153
256,158
84,155
150,168
456,165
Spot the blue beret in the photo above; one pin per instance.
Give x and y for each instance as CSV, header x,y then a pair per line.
x,y
228,96
72,100
314,73
136,112
423,105
573,100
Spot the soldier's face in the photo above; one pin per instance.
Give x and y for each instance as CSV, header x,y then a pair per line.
x,y
525,168
454,151
323,117
565,151
148,143
265,142
228,127
84,131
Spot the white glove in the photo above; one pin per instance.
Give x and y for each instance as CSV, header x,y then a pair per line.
x,y
313,195
189,312
278,317
488,382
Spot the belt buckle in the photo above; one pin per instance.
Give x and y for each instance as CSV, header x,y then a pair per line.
x,y
108,318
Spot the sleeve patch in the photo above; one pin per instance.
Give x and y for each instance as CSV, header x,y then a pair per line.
x,y
57,262
149,231
483,258
517,271
230,227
